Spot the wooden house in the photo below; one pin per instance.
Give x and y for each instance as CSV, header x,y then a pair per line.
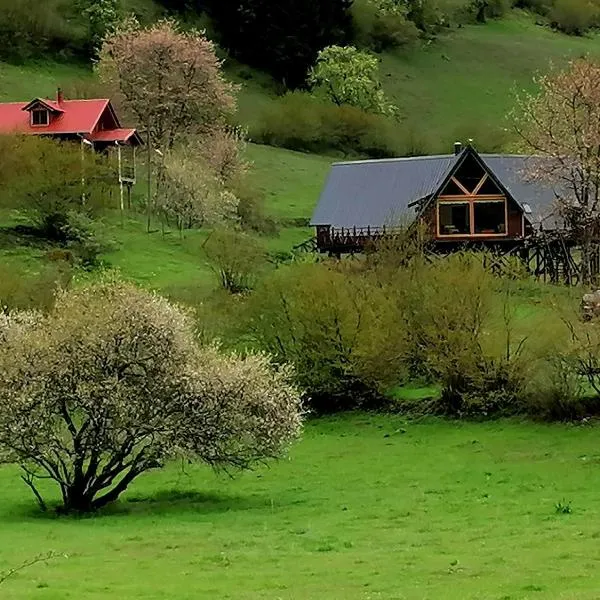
x,y
92,123
461,199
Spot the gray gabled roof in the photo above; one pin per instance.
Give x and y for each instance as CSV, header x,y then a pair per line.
x,y
385,192
511,171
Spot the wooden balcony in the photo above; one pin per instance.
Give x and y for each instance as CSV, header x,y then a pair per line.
x,y
350,240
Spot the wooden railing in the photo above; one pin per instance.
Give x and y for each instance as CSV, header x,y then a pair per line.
x,y
354,238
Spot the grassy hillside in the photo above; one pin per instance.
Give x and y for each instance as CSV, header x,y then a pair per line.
x,y
365,508
464,84
291,182
459,86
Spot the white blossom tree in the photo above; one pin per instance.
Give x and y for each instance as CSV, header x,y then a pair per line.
x,y
560,125
170,80
196,180
112,383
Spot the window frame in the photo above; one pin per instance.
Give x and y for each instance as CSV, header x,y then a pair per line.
x,y
40,111
456,202
471,201
479,200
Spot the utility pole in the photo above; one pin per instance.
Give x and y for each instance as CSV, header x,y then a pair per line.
x,y
149,181
121,204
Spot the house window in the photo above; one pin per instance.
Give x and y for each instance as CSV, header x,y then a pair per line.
x,y
489,218
454,218
40,117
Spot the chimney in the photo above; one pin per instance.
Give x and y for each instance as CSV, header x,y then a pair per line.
x,y
457,148
59,96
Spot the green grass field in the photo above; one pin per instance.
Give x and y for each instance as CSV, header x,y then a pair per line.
x,y
465,83
458,86
364,508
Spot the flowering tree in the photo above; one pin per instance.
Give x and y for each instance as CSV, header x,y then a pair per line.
x,y
111,383
561,125
197,177
169,80
192,195
346,75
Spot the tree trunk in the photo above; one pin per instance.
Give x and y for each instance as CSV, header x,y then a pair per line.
x,y
75,501
586,260
481,18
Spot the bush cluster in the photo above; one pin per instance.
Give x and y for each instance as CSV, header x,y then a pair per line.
x,y
356,329
300,122
30,29
574,17
60,29
35,291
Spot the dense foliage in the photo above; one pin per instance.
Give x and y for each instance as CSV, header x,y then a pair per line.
x,y
348,76
58,185
291,32
111,383
300,121
354,330
561,126
170,80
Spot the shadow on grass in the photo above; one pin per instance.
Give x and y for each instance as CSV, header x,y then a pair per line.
x,y
173,501
22,235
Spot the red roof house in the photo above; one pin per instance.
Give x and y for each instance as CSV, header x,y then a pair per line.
x,y
92,120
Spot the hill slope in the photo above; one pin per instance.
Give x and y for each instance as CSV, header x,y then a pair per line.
x,y
456,87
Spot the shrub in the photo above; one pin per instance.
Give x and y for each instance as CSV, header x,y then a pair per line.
x,y
574,17
381,31
30,29
300,122
111,383
426,15
541,7
453,335
236,257
50,182
328,323
251,204
87,239
557,393
20,291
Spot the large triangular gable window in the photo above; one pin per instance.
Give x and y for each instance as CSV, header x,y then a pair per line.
x,y
471,179
471,203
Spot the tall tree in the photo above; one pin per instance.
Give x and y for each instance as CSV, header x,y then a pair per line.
x,y
169,80
282,37
561,125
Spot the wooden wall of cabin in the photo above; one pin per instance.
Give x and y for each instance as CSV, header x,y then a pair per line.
x,y
515,221
429,220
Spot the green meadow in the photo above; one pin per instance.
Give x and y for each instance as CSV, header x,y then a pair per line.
x,y
365,507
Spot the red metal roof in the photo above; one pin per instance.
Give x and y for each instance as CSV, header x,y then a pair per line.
x,y
94,119
113,135
78,116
